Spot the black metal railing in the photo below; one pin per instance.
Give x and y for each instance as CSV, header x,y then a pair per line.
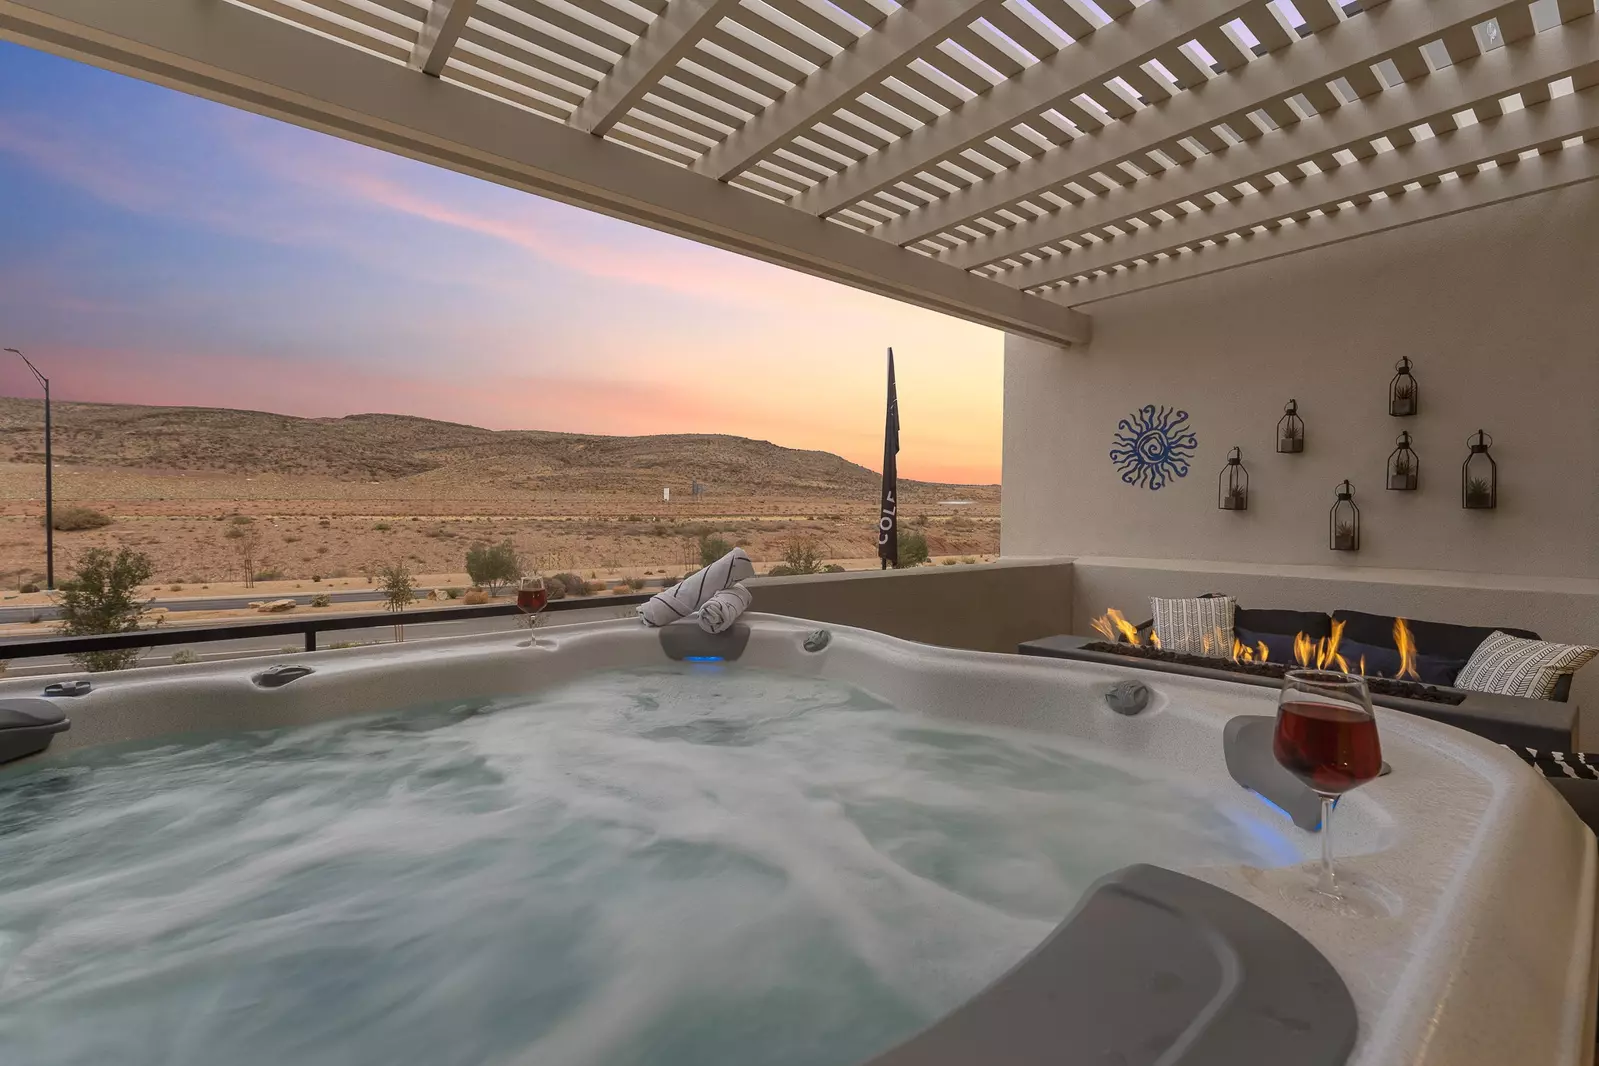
x,y
167,636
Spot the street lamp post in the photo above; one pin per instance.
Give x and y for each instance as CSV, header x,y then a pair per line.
x,y
49,481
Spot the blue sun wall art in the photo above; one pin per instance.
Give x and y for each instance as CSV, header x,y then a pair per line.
x,y
1152,446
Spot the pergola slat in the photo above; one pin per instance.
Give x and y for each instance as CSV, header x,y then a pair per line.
x,y
1192,114
1522,178
669,38
898,39
1570,116
1064,75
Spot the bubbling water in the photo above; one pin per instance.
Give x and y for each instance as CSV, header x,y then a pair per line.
x,y
674,867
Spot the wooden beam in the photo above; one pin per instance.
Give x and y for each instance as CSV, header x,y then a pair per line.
x,y
1081,66
653,56
239,57
906,34
446,19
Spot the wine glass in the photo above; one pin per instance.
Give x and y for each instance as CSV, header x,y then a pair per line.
x,y
1327,737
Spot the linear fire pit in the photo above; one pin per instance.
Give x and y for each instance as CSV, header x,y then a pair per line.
x,y
1542,724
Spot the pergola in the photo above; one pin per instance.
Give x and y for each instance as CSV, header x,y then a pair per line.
x,y
1004,161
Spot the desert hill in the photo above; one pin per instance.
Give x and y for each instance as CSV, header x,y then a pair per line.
x,y
425,453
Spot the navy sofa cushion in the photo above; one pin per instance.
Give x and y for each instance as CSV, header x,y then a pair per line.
x,y
1439,639
1283,623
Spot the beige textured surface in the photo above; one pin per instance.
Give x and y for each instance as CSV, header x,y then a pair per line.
x,y
1496,308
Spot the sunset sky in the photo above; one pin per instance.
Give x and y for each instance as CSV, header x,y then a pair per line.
x,y
158,248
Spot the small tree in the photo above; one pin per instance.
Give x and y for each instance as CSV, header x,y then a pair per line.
x,y
399,592
712,548
803,555
912,548
493,566
245,537
103,597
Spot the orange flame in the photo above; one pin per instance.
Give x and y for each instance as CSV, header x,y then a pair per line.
x,y
1328,652
1113,627
1154,638
1304,650
1260,649
1406,643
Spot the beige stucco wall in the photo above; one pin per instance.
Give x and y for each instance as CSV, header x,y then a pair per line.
x,y
991,607
1499,310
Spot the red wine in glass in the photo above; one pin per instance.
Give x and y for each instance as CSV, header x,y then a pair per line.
x,y
1331,748
1327,737
532,598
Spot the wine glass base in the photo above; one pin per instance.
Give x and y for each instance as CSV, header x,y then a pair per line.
x,y
1350,898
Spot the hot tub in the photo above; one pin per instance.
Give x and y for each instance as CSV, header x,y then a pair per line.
x,y
1485,957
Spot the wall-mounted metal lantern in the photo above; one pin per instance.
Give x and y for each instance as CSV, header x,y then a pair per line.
x,y
1479,475
1343,521
1291,429
1404,395
1232,485
1404,468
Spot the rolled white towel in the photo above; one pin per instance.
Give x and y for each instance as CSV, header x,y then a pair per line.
x,y
718,613
690,594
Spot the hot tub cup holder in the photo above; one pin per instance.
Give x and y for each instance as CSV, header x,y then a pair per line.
x,y
280,675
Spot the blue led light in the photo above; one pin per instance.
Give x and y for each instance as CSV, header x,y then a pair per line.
x,y
702,658
1285,814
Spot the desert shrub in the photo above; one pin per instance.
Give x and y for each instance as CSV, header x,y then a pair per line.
x,y
920,520
452,594
174,588
780,570
75,519
832,568
474,597
241,519
185,656
102,596
912,548
322,599
969,559
316,579
291,539
397,586
572,583
712,548
635,584
324,523
383,527
803,555
554,589
960,521
29,587
493,565
269,575
950,562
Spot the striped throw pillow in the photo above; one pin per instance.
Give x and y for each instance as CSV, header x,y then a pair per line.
x,y
1510,666
1195,627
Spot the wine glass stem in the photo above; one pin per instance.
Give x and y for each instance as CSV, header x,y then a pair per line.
x,y
1327,884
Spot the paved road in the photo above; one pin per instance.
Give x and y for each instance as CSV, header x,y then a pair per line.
x,y
213,650
218,603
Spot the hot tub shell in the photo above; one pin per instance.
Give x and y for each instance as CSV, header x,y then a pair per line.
x,y
1487,959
